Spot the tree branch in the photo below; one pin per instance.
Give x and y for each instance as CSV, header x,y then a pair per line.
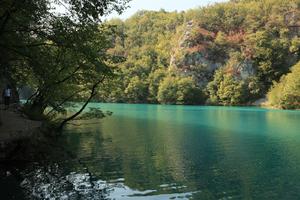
x,y
7,16
64,101
92,94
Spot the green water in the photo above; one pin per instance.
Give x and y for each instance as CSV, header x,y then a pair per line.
x,y
188,152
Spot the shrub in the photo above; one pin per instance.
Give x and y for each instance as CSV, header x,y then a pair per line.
x,y
286,93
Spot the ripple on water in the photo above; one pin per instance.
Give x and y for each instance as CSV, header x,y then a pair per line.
x,y
50,183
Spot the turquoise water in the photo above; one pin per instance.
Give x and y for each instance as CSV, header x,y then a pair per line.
x,y
181,152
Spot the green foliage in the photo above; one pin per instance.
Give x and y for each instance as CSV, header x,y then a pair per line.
x,y
286,93
63,58
295,46
167,91
254,88
188,92
136,90
269,51
226,89
179,90
230,91
252,40
93,113
155,79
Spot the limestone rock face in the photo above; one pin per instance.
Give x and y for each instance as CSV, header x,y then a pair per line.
x,y
246,69
292,20
200,52
191,56
243,70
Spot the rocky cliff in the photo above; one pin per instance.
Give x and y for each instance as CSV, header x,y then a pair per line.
x,y
198,53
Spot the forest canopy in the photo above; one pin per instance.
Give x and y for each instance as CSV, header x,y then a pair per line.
x,y
225,54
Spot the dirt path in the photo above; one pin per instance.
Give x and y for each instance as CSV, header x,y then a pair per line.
x,y
22,141
15,126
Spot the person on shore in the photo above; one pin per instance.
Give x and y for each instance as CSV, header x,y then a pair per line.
x,y
7,95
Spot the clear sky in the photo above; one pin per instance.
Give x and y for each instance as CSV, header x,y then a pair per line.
x,y
168,5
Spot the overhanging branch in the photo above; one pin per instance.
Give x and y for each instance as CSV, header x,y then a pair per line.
x,y
92,94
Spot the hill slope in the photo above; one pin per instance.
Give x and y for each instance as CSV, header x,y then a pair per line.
x,y
227,54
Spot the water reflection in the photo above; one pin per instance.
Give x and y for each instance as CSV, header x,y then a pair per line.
x,y
163,152
50,183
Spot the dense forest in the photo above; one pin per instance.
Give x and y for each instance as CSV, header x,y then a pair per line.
x,y
231,53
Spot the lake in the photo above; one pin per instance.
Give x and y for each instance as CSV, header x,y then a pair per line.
x,y
151,152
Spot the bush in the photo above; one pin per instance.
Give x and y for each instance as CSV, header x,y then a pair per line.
x,y
167,91
286,93
179,90
225,89
136,91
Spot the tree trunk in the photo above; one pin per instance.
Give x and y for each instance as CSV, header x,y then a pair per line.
x,y
35,111
92,94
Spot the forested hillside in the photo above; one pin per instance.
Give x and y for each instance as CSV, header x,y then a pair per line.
x,y
225,54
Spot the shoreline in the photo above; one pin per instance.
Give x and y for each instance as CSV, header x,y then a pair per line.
x,y
24,140
14,129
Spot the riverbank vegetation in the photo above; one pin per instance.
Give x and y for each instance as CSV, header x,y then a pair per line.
x,y
61,55
286,94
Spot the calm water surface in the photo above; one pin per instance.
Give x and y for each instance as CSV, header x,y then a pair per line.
x,y
176,152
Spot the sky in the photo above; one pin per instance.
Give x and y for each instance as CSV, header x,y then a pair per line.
x,y
168,5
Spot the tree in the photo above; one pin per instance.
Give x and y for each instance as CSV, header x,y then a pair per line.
x,y
188,92
64,57
155,79
225,89
179,90
231,91
136,91
286,93
269,54
167,90
295,46
254,40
